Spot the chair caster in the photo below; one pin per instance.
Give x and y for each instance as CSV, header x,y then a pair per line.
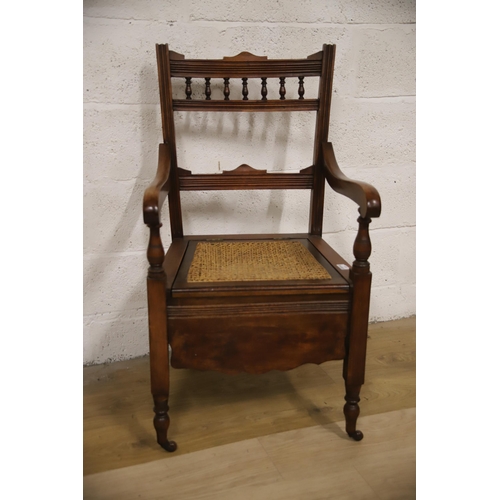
x,y
169,446
356,435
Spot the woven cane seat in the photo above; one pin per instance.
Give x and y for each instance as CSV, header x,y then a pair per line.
x,y
254,261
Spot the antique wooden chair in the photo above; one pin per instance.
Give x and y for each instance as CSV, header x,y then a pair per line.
x,y
254,303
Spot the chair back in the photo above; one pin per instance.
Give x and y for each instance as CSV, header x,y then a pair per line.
x,y
235,72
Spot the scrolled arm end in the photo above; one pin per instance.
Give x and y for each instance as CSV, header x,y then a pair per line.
x,y
373,206
150,213
362,193
155,193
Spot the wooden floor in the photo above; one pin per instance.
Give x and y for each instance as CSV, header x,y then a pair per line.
x,y
277,435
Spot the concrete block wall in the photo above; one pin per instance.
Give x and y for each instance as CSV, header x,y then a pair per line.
x,y
372,130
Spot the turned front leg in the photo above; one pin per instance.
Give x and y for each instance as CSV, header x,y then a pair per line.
x,y
158,341
354,362
351,411
162,422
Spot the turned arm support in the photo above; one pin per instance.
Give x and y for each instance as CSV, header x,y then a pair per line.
x,y
365,195
155,194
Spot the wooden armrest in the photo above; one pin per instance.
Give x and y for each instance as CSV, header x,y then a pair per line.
x,y
155,193
365,195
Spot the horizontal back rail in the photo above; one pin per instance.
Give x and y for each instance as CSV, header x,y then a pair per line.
x,y
249,105
217,68
218,182
245,177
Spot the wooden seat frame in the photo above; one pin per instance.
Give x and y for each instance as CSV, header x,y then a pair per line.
x,y
254,327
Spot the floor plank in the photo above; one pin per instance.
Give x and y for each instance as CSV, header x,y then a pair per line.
x,y
317,462
385,458
187,476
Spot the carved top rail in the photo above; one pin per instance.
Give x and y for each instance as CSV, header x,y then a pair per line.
x,y
244,65
250,69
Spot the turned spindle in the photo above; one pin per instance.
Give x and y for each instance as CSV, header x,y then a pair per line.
x,y
282,88
301,87
208,92
226,89
188,90
245,89
263,91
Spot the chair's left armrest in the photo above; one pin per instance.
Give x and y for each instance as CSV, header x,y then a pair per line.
x,y
155,193
365,195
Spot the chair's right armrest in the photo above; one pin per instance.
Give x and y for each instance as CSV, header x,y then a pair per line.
x,y
155,193
365,195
